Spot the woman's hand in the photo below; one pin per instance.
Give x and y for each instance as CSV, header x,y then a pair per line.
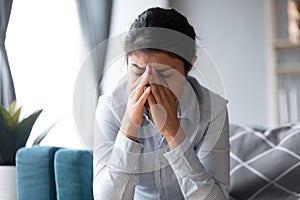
x,y
163,107
133,117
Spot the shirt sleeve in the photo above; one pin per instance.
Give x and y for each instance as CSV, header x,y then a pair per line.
x,y
204,173
115,156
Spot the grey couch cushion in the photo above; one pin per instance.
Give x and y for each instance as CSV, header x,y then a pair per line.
x,y
265,165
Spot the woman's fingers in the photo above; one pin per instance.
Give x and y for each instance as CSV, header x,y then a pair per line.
x,y
140,85
151,100
160,87
143,80
158,79
163,85
155,87
143,98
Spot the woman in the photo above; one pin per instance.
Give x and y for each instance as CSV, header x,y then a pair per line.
x,y
162,135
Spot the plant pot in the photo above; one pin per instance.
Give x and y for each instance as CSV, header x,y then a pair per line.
x,y
8,183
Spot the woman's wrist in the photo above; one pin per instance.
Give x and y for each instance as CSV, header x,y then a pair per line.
x,y
129,129
128,135
175,139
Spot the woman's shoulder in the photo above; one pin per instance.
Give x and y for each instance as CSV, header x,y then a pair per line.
x,y
115,100
208,100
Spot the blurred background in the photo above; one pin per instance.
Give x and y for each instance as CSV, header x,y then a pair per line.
x,y
254,44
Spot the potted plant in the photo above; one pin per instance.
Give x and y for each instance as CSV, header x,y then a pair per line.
x,y
14,133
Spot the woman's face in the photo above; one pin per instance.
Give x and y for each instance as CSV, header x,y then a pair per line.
x,y
170,70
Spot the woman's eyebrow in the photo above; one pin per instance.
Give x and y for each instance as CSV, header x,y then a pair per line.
x,y
139,67
159,70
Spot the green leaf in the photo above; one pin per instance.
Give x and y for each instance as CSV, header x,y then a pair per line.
x,y
7,120
7,144
17,115
13,135
23,129
12,108
39,139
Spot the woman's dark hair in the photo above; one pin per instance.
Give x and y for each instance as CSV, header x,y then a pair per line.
x,y
141,39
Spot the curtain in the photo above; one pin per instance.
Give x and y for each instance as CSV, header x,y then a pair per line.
x,y
7,90
289,98
94,18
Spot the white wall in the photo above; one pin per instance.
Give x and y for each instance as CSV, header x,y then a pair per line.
x,y
233,32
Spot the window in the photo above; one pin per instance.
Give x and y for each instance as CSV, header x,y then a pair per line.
x,y
43,46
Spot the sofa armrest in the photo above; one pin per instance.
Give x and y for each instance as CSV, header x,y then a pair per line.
x,y
35,173
73,174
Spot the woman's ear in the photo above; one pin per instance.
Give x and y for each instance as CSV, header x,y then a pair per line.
x,y
193,62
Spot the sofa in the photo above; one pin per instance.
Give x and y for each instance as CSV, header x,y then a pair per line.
x,y
50,173
264,164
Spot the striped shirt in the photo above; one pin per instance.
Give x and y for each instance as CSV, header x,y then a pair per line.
x,y
197,169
